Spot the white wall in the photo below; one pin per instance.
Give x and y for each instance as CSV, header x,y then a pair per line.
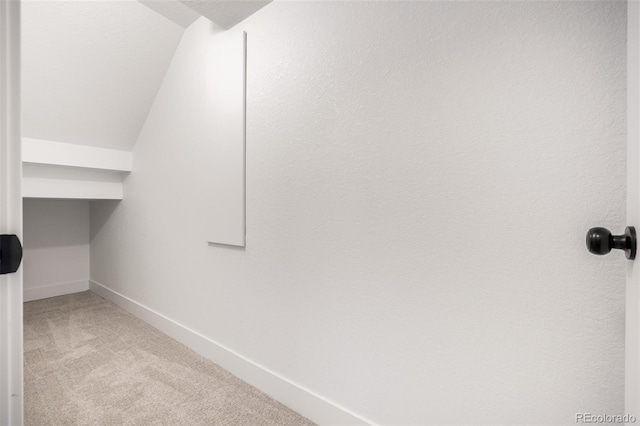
x,y
91,69
56,247
420,177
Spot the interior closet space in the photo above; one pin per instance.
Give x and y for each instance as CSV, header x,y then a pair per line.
x,y
59,182
371,211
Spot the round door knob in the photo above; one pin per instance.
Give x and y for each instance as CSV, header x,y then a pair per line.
x,y
600,241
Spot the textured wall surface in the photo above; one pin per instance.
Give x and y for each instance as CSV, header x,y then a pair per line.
x,y
91,69
56,242
420,177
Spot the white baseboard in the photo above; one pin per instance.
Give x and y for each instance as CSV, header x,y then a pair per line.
x,y
296,397
44,292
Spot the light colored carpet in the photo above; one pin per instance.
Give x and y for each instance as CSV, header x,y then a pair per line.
x,y
88,362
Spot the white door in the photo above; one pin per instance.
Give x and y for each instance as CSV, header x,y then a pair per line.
x,y
10,214
632,338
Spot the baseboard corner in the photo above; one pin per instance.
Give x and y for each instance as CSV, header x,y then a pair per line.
x,y
44,292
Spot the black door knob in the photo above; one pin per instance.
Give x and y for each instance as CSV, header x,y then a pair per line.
x,y
10,253
600,241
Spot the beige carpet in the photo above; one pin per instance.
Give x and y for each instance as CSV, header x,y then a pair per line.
x,y
88,362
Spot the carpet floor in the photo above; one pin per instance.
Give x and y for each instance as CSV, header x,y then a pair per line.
x,y
88,362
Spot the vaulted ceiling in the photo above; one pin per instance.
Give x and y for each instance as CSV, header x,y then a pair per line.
x,y
91,68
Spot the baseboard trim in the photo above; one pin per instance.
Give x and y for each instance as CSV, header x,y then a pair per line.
x,y
302,400
44,292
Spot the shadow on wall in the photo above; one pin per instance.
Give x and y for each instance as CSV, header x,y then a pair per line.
x,y
101,211
55,223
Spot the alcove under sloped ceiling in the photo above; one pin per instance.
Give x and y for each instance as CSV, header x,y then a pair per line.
x,y
90,73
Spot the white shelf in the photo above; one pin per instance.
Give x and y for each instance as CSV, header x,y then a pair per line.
x,y
62,170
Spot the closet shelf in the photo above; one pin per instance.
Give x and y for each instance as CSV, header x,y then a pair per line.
x,y
62,170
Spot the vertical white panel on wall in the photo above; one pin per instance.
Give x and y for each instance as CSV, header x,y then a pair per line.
x,y
225,192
